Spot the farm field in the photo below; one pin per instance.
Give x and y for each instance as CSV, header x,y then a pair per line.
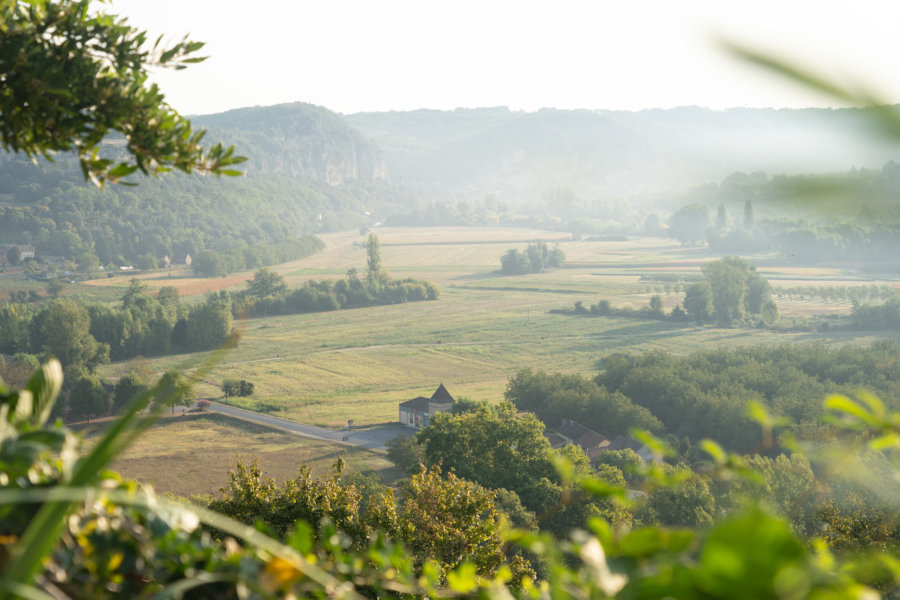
x,y
193,454
326,368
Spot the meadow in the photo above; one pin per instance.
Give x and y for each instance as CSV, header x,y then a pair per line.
x,y
326,368
192,454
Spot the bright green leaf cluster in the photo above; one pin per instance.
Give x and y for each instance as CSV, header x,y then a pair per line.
x,y
70,77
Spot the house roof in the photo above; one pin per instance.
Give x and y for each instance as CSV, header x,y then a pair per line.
x,y
418,404
556,441
442,396
584,437
620,442
592,439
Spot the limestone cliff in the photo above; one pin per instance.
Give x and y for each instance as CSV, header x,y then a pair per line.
x,y
300,140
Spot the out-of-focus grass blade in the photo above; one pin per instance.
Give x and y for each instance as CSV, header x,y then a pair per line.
x,y
885,116
70,495
38,539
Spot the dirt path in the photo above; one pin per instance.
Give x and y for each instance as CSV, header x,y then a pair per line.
x,y
370,438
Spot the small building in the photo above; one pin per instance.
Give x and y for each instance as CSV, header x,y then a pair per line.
x,y
27,250
587,439
621,442
417,413
556,441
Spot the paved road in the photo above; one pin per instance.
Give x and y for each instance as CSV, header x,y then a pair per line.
x,y
371,438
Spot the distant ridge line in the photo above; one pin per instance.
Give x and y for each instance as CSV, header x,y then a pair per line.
x,y
469,243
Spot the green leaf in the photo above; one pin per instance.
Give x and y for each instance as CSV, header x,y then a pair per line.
x,y
121,170
302,537
642,542
843,404
715,451
601,489
463,579
45,386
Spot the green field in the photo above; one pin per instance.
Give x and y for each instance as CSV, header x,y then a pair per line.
x,y
359,364
193,454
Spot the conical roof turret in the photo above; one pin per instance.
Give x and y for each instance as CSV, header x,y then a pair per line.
x,y
442,396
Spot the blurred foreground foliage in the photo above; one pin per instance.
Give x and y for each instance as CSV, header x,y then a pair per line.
x,y
70,528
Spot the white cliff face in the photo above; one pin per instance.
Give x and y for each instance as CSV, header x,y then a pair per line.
x,y
354,160
300,140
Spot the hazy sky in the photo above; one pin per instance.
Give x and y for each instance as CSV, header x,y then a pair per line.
x,y
375,55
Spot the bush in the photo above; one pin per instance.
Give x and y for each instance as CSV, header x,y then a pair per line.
x,y
237,387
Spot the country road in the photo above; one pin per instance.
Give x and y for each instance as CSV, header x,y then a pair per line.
x,y
370,438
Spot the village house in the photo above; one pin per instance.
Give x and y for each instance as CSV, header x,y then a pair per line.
x,y
416,413
593,443
588,440
621,442
25,251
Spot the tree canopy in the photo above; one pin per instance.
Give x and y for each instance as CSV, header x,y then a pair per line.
x,y
535,258
730,291
690,224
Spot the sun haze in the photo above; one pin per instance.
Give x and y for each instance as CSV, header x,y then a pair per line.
x,y
356,55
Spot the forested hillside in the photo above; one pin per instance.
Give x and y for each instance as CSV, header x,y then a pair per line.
x,y
298,140
307,172
600,155
312,170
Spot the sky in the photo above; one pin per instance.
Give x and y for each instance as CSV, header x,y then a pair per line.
x,y
378,55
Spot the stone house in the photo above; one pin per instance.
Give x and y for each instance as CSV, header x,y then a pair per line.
x,y
417,413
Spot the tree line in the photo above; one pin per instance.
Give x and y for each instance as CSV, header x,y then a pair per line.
x,y
730,293
83,335
705,394
503,448
268,294
870,233
246,222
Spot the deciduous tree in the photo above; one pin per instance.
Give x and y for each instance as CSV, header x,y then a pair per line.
x,y
375,273
173,390
208,324
690,224
62,329
450,520
266,283
127,390
14,255
88,399
237,387
736,290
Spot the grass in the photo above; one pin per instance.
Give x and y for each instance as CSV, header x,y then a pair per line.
x,y
329,367
359,364
193,454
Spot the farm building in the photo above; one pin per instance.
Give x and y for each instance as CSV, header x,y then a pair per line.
x,y
416,413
